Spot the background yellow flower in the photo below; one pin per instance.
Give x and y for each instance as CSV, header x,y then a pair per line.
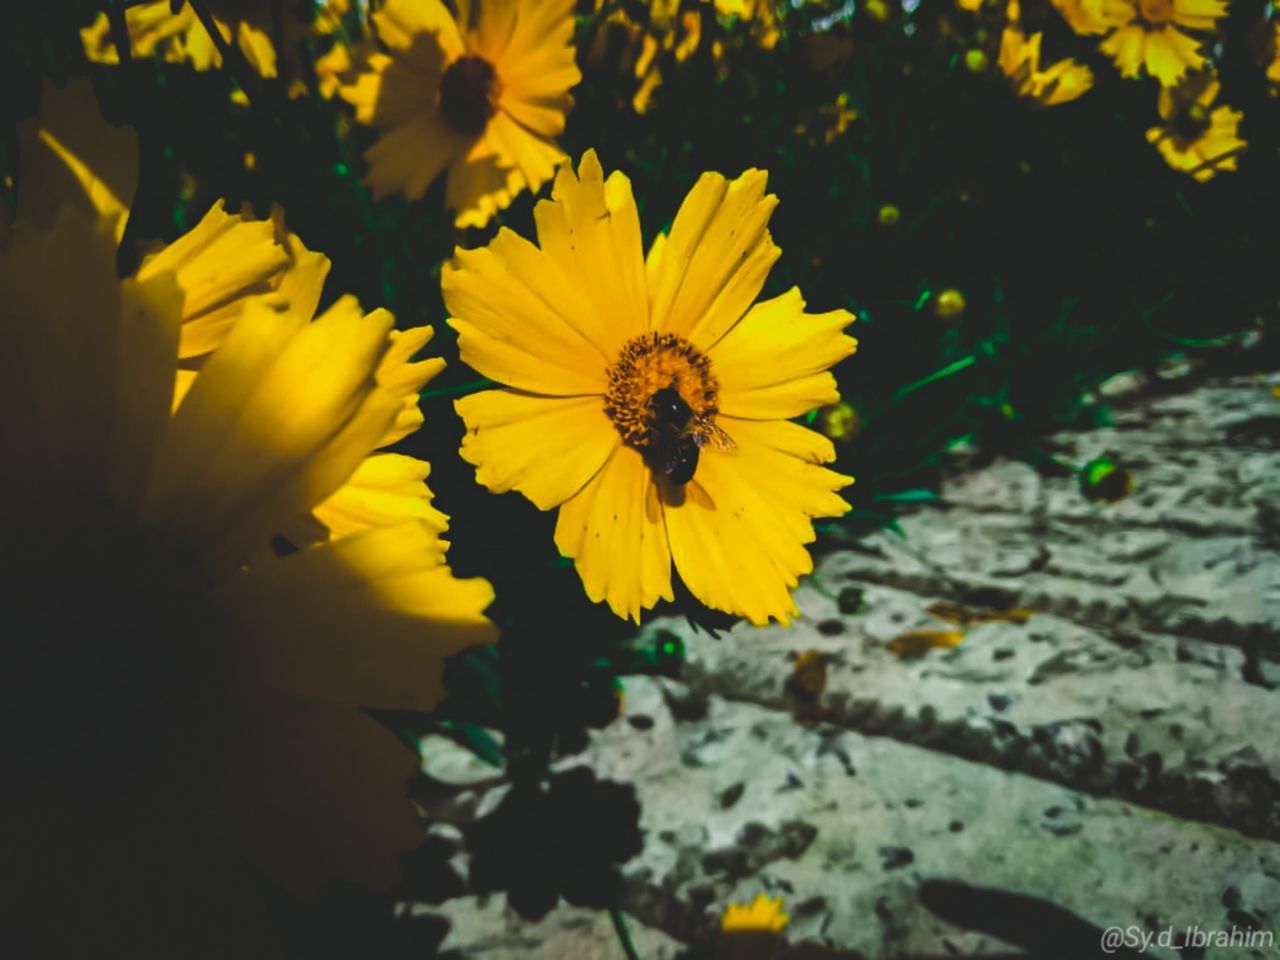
x,y
484,95
1195,136
1059,82
1152,34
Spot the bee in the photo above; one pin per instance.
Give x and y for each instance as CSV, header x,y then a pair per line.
x,y
679,436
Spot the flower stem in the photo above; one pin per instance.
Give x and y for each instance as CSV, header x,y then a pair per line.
x,y
624,935
230,54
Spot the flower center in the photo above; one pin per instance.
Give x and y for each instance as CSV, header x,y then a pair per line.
x,y
659,386
1156,12
469,94
1190,124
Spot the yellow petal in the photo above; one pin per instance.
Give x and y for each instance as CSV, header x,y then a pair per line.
x,y
591,230
613,529
365,620
255,43
536,65
1198,14
534,156
70,155
313,794
772,364
480,183
386,489
1169,53
1127,47
58,366
545,447
402,24
738,528
519,319
276,416
219,263
400,376
716,258
149,324
408,158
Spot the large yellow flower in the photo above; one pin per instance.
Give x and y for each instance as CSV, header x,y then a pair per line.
x,y
1194,136
648,400
1059,82
1151,35
186,678
484,95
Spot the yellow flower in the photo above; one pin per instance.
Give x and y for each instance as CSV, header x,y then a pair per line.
x,y
175,667
1194,136
649,399
761,914
1151,35
154,29
1273,68
484,95
1020,61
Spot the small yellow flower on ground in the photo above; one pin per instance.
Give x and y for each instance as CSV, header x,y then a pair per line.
x,y
1153,34
187,688
483,96
1059,82
762,913
1194,136
649,399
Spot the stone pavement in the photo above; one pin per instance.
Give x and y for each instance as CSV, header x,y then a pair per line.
x,y
1111,746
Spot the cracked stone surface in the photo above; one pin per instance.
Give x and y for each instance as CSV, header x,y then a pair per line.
x,y
1109,747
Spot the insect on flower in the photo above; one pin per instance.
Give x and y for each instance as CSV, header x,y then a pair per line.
x,y
679,434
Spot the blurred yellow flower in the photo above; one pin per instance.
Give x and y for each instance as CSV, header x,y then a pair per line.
x,y
484,95
179,668
761,914
648,399
664,30
1273,68
1151,35
1194,136
154,29
1059,82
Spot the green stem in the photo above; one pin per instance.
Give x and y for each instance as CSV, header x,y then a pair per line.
x,y
624,935
459,391
946,371
231,56
120,31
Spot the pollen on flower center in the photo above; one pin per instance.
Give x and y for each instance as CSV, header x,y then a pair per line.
x,y
649,363
1156,12
469,94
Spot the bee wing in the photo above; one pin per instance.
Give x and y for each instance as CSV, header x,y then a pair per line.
x,y
708,434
